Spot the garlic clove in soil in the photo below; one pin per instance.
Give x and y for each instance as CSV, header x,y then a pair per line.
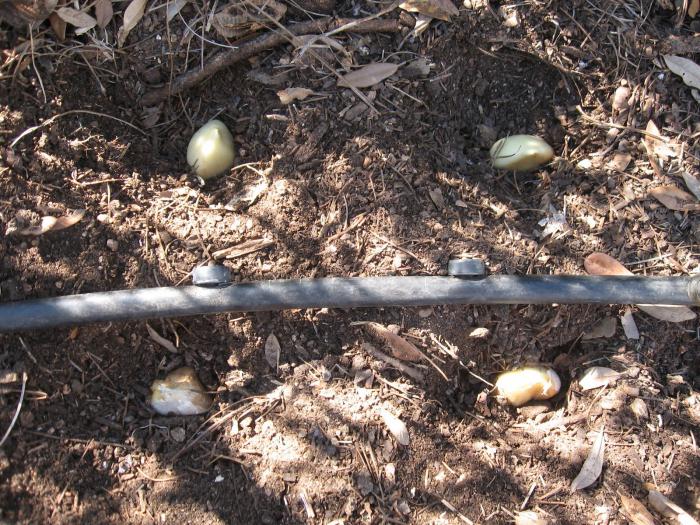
x,y
525,384
210,151
180,394
520,153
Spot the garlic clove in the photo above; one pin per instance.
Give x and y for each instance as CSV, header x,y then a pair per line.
x,y
525,384
520,153
210,151
180,393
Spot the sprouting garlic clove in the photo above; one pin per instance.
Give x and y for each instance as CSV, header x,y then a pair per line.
x,y
520,153
525,384
180,393
210,151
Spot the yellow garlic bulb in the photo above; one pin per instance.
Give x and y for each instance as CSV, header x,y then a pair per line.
x,y
210,151
180,393
520,153
525,384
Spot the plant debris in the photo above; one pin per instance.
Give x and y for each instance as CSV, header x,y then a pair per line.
x,y
593,466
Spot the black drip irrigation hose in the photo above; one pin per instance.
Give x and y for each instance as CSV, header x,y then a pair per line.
x,y
358,292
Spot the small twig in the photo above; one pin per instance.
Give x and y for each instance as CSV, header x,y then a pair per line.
x,y
401,367
257,45
19,407
50,120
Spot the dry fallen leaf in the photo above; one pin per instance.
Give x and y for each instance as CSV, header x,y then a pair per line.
x,y
437,198
47,223
685,68
58,25
639,408
162,341
368,75
396,427
693,184
658,145
103,12
400,348
602,264
272,351
81,20
239,19
674,198
174,7
668,509
66,221
593,466
597,376
636,511
289,95
132,16
629,326
693,8
602,329
442,9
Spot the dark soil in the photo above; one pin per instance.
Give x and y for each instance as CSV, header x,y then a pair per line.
x,y
398,193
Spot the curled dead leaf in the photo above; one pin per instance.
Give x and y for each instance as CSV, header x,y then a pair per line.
x,y
47,223
289,95
66,221
674,198
368,75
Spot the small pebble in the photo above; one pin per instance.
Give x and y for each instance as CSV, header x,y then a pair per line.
x,y
112,245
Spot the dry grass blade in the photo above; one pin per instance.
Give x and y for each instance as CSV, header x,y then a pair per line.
x,y
674,198
132,16
593,466
81,20
162,341
400,348
442,9
368,75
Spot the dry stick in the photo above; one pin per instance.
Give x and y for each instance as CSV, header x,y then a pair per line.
x,y
262,43
402,367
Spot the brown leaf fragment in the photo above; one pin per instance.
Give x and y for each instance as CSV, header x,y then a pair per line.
x,y
593,466
103,12
82,21
674,198
47,223
132,16
58,25
602,264
693,183
272,351
442,9
66,221
400,348
289,95
368,75
636,511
